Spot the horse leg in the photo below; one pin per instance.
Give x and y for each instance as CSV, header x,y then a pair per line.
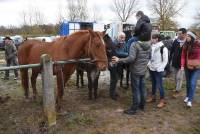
x,y
82,81
25,82
89,85
60,88
33,83
77,77
95,84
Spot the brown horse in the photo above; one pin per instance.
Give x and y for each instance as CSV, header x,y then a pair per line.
x,y
81,43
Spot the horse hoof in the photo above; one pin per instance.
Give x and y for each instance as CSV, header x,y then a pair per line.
x,y
89,98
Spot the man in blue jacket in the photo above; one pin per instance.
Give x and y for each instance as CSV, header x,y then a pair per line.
x,y
116,69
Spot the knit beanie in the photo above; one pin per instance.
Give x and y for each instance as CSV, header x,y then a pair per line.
x,y
192,35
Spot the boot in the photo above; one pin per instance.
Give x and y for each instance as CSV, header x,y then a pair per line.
x,y
152,98
177,94
161,104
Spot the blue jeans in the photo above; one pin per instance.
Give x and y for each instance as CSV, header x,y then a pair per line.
x,y
138,90
157,83
191,82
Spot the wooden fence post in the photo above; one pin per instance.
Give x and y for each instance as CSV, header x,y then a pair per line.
x,y
48,89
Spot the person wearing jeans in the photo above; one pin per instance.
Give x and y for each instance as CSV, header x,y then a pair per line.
x,y
191,83
157,64
138,88
138,58
191,51
157,83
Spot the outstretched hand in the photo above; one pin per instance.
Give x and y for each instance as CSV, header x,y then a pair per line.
x,y
115,59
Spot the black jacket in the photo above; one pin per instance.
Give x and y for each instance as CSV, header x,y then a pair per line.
x,y
143,29
175,54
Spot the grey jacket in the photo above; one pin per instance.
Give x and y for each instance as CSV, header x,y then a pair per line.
x,y
10,51
139,56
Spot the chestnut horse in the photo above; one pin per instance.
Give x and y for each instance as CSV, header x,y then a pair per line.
x,y
85,42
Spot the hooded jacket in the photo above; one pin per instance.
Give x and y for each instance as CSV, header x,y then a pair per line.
x,y
139,56
156,63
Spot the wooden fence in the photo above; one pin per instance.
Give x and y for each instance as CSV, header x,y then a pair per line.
x,y
47,83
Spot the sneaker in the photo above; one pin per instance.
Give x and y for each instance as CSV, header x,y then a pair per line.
x,y
186,99
189,104
16,78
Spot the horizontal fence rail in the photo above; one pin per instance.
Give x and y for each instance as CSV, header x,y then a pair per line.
x,y
39,65
47,82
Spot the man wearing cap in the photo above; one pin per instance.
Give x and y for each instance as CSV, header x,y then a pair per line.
x,y
10,56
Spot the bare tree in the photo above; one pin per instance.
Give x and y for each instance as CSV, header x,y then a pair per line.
x,y
32,16
124,9
95,13
166,10
77,10
197,19
39,17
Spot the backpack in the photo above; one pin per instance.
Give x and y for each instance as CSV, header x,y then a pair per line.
x,y
161,51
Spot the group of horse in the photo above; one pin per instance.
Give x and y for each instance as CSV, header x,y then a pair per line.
x,y
85,43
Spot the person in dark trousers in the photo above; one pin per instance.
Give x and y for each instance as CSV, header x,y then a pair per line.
x,y
175,57
138,58
116,69
142,30
10,57
168,44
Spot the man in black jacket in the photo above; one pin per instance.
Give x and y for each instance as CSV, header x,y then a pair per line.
x,y
142,29
175,56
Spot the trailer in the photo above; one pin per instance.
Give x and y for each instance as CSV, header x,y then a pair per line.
x,y
69,27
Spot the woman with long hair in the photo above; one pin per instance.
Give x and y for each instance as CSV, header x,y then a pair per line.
x,y
191,52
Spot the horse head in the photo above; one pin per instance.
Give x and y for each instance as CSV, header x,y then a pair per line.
x,y
110,47
97,49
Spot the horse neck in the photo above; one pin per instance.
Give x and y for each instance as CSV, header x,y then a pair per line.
x,y
75,45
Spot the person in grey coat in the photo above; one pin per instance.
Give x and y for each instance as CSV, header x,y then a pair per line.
x,y
10,56
139,56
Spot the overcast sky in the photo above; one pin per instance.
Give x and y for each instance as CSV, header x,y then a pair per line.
x,y
10,10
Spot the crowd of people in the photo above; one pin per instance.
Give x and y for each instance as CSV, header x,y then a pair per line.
x,y
155,54
145,52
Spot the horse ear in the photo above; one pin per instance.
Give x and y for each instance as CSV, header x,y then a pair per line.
x,y
103,33
91,32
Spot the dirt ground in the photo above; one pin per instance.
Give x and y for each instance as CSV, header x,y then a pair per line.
x,y
103,116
